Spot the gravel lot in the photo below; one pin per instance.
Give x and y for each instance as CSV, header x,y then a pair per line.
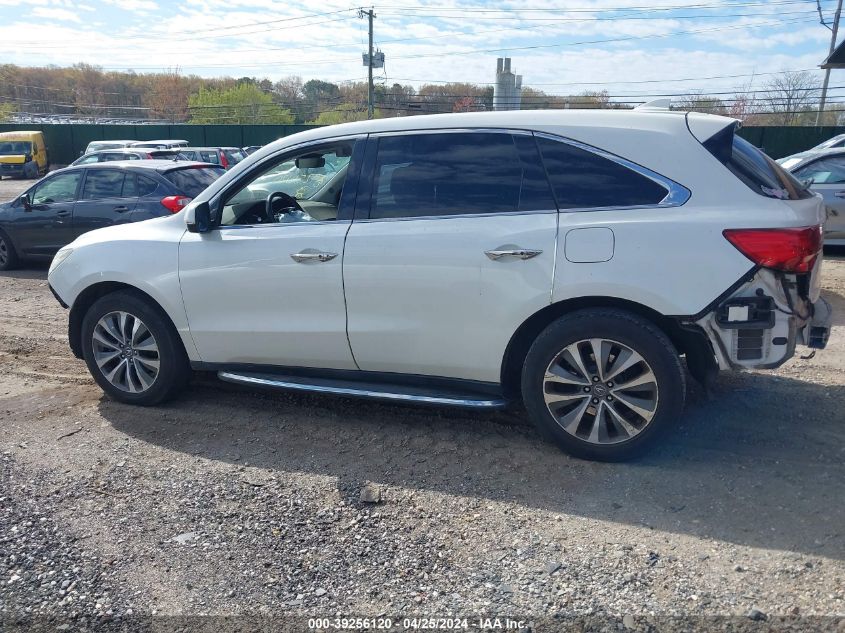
x,y
228,502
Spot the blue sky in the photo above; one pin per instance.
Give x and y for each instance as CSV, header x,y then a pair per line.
x,y
629,47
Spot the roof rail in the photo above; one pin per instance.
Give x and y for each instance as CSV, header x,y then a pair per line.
x,y
656,104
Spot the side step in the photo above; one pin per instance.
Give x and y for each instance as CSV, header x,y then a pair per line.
x,y
391,392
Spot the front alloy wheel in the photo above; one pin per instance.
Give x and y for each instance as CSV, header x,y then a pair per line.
x,y
126,352
600,391
132,349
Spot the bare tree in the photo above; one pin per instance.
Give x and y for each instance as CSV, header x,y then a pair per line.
x,y
701,103
790,98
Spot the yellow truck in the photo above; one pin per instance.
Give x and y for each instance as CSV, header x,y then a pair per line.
x,y
23,154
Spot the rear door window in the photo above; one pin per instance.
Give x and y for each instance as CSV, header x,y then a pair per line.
x,y
146,186
464,173
103,183
582,179
192,180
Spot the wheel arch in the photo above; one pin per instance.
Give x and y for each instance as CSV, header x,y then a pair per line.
x,y
689,340
92,293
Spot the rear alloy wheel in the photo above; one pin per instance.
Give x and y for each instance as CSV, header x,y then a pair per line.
x,y
132,350
603,383
8,257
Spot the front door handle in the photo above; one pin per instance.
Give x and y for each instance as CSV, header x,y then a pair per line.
x,y
121,209
519,253
312,256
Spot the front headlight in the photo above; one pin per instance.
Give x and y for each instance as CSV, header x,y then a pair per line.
x,y
61,256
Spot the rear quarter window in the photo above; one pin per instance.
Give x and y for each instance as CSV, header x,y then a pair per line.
x,y
191,181
584,180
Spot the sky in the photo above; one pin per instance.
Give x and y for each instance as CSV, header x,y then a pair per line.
x,y
630,48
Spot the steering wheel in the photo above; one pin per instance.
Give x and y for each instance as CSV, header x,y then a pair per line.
x,y
289,203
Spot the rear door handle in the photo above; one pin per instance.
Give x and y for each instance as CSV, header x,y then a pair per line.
x,y
62,213
121,209
312,256
519,253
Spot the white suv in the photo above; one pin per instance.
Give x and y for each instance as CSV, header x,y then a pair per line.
x,y
564,259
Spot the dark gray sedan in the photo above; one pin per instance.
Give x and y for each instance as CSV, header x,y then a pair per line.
x,y
71,201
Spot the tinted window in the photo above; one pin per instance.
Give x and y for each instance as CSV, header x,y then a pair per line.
x,y
15,147
759,172
60,188
130,187
584,180
192,180
209,157
101,184
146,186
453,174
823,171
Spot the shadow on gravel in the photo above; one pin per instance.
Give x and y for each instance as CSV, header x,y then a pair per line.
x,y
30,270
760,465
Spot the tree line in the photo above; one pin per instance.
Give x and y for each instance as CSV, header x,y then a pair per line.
x,y
83,90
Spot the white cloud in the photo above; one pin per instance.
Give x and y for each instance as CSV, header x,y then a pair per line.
x,y
63,15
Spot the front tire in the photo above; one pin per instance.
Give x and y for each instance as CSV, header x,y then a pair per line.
x,y
603,384
132,349
8,256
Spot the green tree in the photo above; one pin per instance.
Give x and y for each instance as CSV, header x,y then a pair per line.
x,y
244,103
344,114
6,111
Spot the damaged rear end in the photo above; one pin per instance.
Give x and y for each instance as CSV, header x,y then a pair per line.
x,y
776,306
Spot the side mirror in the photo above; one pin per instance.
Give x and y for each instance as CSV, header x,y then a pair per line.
x,y
26,202
201,221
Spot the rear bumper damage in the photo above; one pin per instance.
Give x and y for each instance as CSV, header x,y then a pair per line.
x,y
761,323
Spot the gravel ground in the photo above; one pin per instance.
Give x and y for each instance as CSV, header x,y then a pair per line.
x,y
227,502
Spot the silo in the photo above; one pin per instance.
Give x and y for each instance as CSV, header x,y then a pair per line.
x,y
507,90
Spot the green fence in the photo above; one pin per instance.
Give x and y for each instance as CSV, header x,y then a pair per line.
x,y
67,141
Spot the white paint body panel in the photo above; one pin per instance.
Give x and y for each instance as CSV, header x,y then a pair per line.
x,y
423,298
248,301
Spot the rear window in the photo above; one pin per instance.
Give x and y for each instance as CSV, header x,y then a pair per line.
x,y
192,180
759,172
234,156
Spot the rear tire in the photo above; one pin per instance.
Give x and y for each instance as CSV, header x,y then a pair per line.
x,y
8,256
609,411
132,349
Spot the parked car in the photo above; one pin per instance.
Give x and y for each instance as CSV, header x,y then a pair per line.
x,y
129,154
160,144
564,259
71,201
96,146
251,149
824,171
23,154
837,141
224,156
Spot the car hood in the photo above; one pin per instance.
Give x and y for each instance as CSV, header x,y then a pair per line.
x,y
169,228
13,159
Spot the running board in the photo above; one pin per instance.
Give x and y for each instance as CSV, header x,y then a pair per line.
x,y
395,393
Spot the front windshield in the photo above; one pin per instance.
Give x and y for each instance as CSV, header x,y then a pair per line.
x,y
9,148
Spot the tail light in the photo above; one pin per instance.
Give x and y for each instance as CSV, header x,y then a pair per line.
x,y
175,204
791,250
224,161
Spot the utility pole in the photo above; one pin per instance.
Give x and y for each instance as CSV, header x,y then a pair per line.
x,y
370,92
834,30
